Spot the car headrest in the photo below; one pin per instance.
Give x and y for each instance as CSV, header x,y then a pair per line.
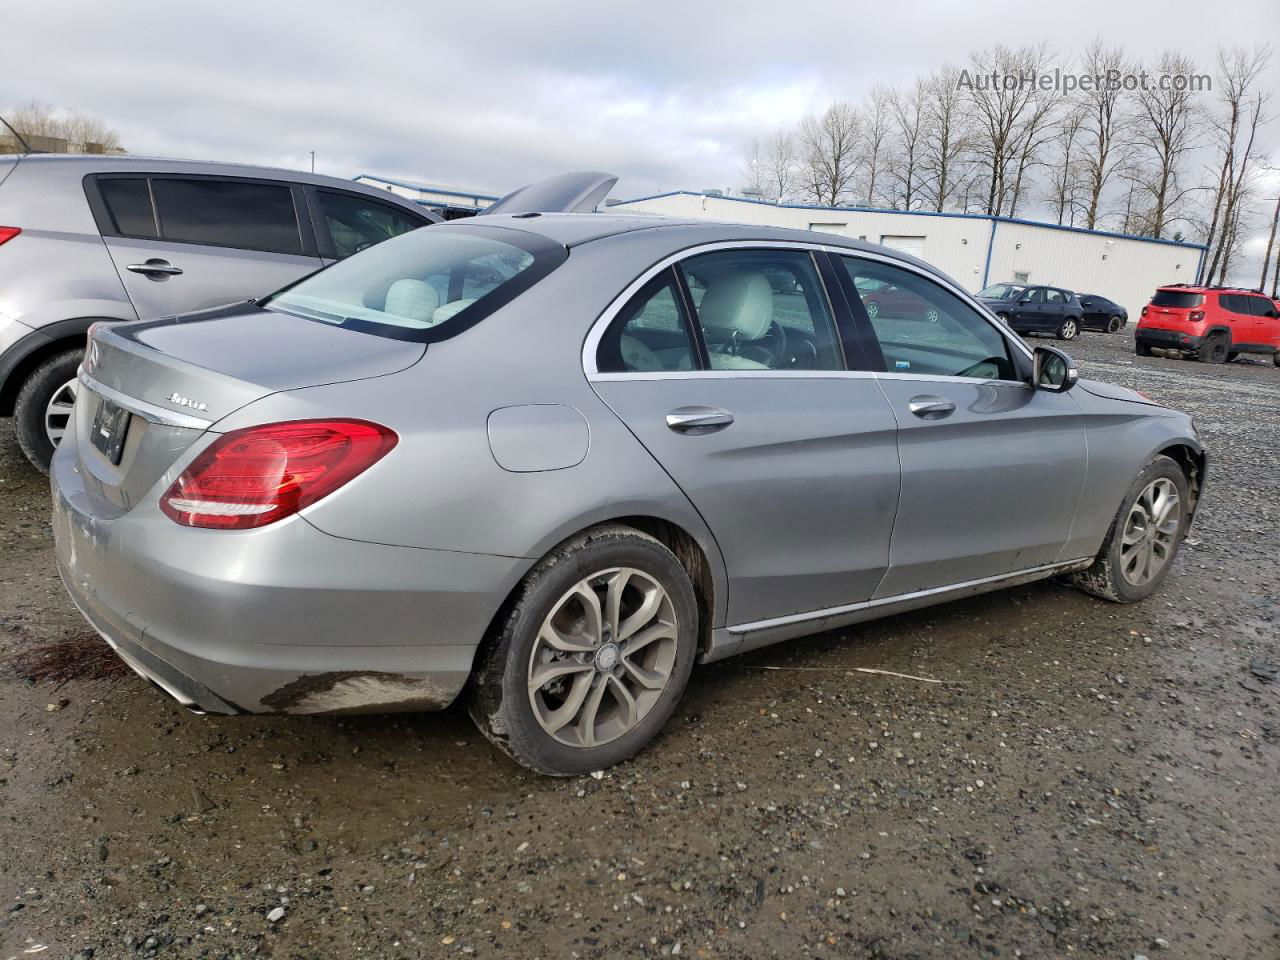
x,y
738,304
413,300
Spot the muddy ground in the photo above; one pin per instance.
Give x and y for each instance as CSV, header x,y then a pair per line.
x,y
1089,780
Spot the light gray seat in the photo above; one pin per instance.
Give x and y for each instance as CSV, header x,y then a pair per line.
x,y
413,300
737,308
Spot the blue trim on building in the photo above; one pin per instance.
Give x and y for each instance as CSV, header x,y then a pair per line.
x,y
426,187
1200,265
991,246
921,213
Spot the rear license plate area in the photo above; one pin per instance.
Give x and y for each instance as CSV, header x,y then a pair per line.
x,y
110,428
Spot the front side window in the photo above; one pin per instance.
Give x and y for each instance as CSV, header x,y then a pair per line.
x,y
1055,296
413,286
228,213
356,223
651,334
929,330
762,310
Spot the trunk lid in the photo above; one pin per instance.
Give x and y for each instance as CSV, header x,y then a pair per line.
x,y
169,381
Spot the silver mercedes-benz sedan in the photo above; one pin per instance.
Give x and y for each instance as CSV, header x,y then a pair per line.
x,y
549,461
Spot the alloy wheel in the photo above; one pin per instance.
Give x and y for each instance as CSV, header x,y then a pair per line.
x,y
57,412
1068,330
1114,325
603,657
1147,543
873,309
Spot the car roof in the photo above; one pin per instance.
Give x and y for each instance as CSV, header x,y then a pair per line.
x,y
80,164
572,229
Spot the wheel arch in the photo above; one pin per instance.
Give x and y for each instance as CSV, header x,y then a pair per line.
x,y
17,363
698,560
1192,460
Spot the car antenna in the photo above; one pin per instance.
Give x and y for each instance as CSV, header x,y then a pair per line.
x,y
21,139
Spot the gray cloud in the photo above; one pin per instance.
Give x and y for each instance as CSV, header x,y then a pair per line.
x,y
492,94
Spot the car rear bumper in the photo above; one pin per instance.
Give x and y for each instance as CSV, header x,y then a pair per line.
x,y
285,619
1167,339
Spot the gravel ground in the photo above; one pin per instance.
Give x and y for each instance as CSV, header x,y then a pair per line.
x,y
1089,780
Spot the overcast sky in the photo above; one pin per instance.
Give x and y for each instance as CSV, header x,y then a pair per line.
x,y
489,94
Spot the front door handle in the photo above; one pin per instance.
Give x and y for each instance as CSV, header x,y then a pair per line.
x,y
697,420
931,408
155,269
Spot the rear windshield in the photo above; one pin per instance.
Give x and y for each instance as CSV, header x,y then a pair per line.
x,y
1176,298
424,285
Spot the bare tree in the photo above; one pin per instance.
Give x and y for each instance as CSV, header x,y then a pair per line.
x,y
752,174
829,146
1243,112
1271,240
876,128
1035,132
946,133
910,115
1105,123
999,87
1164,133
780,164
78,131
1066,173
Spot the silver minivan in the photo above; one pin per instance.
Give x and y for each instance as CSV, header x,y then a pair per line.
x,y
107,238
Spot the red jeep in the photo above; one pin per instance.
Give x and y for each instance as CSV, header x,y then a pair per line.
x,y
1213,324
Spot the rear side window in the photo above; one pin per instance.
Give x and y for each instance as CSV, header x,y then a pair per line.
x,y
424,285
228,213
762,310
1256,306
128,203
1176,298
356,223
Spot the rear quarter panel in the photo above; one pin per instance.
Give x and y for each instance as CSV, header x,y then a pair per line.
x,y
442,488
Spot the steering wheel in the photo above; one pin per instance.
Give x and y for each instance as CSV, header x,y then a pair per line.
x,y
770,349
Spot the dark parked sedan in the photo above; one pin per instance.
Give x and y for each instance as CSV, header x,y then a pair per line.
x,y
1034,309
1102,314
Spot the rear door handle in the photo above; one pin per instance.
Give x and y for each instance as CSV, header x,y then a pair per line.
x,y
931,408
696,420
156,269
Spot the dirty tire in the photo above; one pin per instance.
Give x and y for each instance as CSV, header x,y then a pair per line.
x,y
1069,329
1214,350
1231,355
1115,324
499,700
1275,358
1103,579
34,396
1141,349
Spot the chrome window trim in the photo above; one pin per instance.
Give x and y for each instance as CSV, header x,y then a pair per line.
x,y
148,411
1047,569
595,334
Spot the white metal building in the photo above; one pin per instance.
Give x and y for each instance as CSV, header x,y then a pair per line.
x,y
975,249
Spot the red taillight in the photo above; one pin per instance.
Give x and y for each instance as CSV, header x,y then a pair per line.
x,y
8,233
1195,316
255,476
1144,310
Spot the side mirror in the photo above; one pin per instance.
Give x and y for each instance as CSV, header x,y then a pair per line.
x,y
1054,371
1025,299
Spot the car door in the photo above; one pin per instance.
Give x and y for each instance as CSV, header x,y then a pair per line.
x,y
992,470
1262,331
185,242
739,388
1030,308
